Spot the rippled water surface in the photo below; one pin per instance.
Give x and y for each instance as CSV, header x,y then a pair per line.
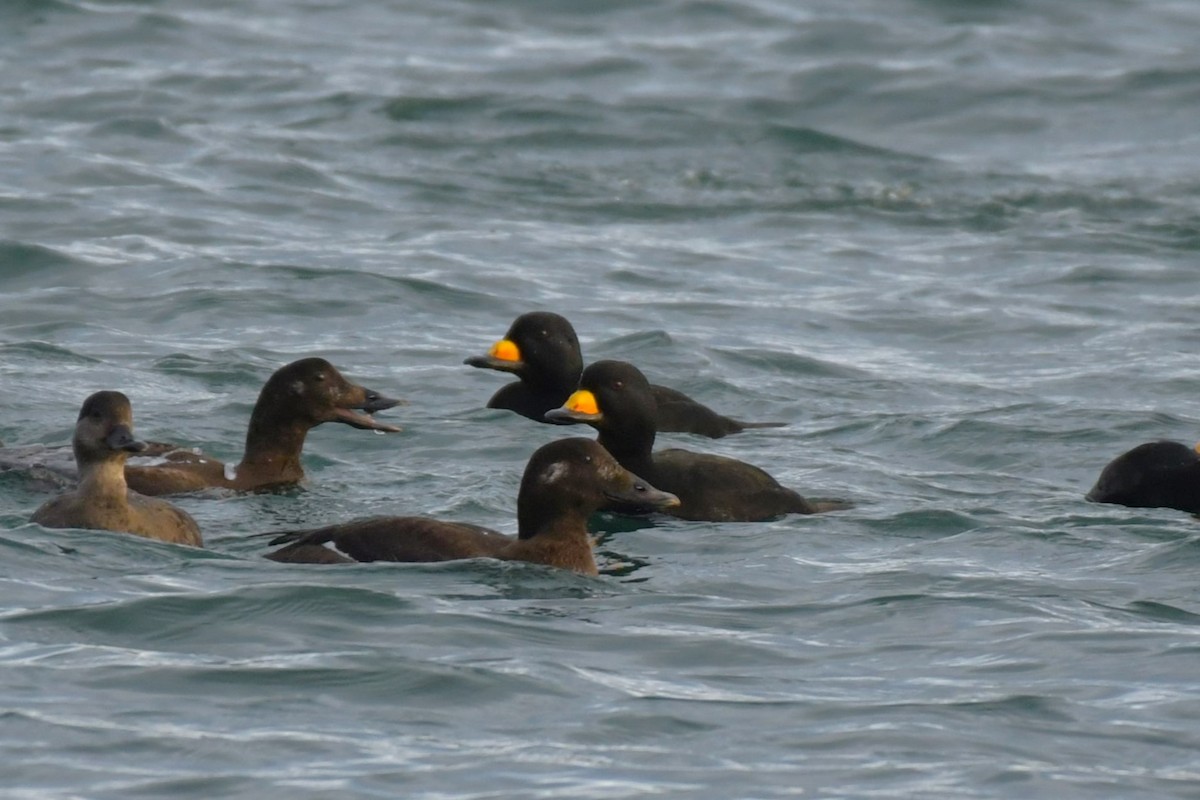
x,y
953,245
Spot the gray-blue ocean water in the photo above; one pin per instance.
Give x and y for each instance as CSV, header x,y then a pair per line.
x,y
954,245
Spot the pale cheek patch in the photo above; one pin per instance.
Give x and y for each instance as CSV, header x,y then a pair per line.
x,y
553,473
609,470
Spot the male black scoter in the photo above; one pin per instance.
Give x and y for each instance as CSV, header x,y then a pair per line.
x,y
564,483
541,349
1152,475
103,440
615,398
295,399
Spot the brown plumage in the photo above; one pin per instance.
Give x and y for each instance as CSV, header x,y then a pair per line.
x,y
297,398
564,483
103,440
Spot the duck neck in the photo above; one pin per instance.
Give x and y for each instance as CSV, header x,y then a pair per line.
x,y
104,478
273,445
559,378
536,518
632,447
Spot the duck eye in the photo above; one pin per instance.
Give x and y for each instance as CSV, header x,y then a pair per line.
x,y
320,376
618,384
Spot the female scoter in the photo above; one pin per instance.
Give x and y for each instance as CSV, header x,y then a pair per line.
x,y
541,349
297,398
1152,475
103,440
564,483
615,398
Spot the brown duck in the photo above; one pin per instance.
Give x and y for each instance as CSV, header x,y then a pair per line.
x,y
297,398
564,483
103,440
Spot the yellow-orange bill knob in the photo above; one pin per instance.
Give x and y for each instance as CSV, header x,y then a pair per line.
x,y
505,350
582,402
1197,447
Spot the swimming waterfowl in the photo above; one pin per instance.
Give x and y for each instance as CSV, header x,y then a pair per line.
x,y
1152,475
103,440
565,481
542,350
615,398
295,399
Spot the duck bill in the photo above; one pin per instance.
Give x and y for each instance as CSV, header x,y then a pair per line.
x,y
566,416
504,356
357,413
580,407
121,438
642,495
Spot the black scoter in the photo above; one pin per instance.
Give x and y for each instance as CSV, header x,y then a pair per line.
x,y
1152,475
615,398
541,349
103,440
564,483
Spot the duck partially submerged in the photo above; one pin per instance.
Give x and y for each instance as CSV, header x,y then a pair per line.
x,y
1152,475
294,400
615,398
542,350
102,441
564,482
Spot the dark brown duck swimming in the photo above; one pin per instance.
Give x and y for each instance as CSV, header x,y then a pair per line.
x,y
103,440
541,349
615,398
564,483
296,399
1152,475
